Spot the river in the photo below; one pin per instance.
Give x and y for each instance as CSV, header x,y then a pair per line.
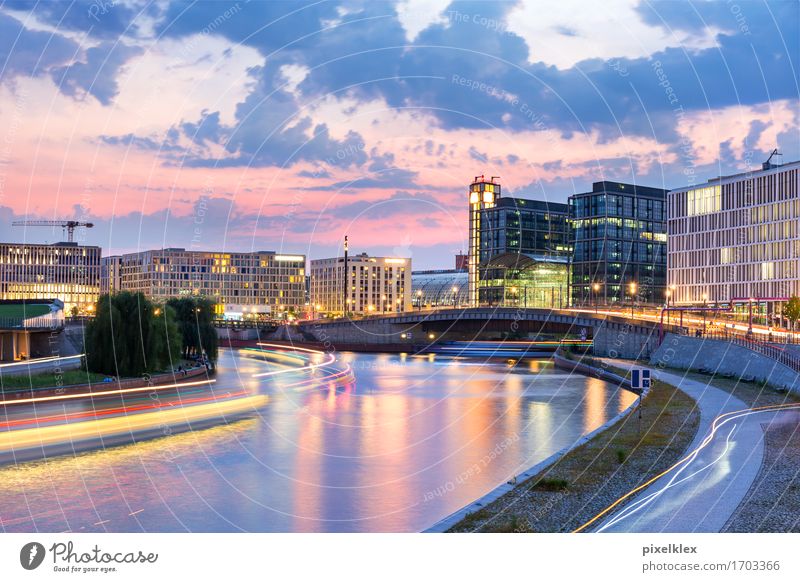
x,y
370,442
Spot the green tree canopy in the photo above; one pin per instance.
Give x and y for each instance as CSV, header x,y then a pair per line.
x,y
792,309
195,319
129,336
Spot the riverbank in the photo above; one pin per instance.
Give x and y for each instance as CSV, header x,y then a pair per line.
x,y
63,383
773,502
587,479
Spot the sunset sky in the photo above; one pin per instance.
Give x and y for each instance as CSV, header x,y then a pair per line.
x,y
286,125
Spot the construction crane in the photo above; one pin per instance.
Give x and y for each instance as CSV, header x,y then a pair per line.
x,y
68,225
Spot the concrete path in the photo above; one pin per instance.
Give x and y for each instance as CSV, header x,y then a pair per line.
x,y
702,494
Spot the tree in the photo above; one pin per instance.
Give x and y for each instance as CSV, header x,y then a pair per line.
x,y
195,319
792,309
129,336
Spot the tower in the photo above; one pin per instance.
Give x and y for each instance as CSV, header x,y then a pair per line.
x,y
483,194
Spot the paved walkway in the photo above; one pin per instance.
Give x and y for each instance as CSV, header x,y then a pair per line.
x,y
702,494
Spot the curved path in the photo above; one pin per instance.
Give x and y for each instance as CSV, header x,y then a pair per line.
x,y
702,493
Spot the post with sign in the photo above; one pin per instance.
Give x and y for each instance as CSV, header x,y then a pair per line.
x,y
640,381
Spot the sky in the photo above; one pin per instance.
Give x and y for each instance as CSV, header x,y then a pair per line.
x,y
285,126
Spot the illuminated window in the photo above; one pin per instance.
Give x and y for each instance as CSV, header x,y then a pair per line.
x,y
703,200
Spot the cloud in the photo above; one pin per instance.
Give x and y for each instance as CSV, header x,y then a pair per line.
x,y
30,53
97,75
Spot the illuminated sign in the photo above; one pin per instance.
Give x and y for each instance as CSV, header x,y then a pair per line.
x,y
293,258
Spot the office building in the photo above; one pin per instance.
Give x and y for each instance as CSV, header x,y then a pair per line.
x,y
65,271
519,249
735,241
263,282
373,285
620,238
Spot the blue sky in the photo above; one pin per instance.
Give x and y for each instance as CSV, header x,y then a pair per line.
x,y
285,125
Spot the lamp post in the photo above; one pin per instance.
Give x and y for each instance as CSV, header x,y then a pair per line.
x,y
419,299
632,287
595,289
705,299
455,291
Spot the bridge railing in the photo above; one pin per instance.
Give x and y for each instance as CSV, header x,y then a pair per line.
x,y
40,322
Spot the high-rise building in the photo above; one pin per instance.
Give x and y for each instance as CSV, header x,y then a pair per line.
x,y
519,249
265,280
374,285
65,271
735,241
620,238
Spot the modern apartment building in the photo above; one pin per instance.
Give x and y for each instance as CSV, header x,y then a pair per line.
x,y
735,241
64,271
262,279
620,238
519,249
373,285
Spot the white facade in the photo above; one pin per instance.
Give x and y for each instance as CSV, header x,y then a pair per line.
x,y
736,238
64,271
374,285
265,278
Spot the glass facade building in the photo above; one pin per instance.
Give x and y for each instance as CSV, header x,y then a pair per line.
x,y
518,248
440,288
620,245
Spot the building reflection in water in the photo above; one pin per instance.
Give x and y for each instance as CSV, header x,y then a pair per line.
x,y
392,443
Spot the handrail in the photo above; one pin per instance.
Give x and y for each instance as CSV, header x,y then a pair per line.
x,y
39,322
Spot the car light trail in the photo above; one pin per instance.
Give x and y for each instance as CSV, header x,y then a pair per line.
x,y
724,418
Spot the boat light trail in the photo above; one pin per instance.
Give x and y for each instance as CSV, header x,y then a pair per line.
x,y
103,393
105,427
330,360
46,360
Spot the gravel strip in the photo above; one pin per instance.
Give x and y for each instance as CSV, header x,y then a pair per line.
x,y
773,502
587,480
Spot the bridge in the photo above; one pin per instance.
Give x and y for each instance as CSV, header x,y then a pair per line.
x,y
612,335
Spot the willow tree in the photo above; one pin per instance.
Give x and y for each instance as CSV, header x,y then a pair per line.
x,y
129,336
195,318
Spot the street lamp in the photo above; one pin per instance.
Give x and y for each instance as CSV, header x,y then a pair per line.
x,y
398,304
596,289
633,296
455,291
705,299
419,299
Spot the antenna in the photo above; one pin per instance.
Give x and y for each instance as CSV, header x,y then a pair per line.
x,y
768,165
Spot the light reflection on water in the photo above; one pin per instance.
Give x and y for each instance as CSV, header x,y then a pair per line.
x,y
381,453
